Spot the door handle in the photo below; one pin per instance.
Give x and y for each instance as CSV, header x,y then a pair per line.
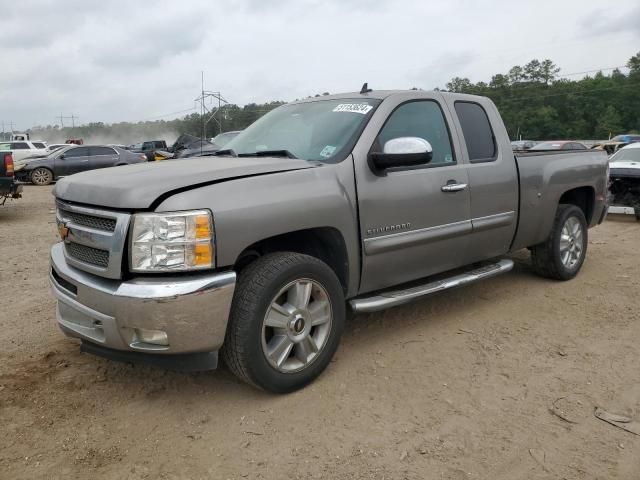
x,y
453,187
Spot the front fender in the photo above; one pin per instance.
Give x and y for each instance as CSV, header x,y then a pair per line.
x,y
251,209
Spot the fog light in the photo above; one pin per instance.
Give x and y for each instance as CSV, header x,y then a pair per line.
x,y
155,337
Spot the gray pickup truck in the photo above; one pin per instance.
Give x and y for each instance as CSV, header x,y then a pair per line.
x,y
363,200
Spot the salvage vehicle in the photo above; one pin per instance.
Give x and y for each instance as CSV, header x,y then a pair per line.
x,y
73,159
223,138
617,142
8,186
22,149
149,148
355,200
522,144
624,181
559,145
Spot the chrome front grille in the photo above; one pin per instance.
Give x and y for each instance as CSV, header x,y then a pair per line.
x,y
94,238
99,223
93,256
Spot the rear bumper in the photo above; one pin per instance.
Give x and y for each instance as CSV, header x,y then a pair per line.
x,y
192,310
8,188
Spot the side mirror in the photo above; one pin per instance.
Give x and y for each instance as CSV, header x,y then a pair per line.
x,y
402,152
61,157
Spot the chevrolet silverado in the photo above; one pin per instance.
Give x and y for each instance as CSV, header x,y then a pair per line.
x,y
363,200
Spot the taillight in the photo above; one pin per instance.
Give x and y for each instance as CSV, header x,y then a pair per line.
x,y
8,164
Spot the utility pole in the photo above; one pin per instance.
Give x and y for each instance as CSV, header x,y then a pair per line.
x,y
73,118
210,97
9,124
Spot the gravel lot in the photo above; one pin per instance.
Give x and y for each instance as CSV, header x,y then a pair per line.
x,y
498,380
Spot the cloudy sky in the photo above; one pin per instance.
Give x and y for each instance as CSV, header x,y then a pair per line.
x,y
118,60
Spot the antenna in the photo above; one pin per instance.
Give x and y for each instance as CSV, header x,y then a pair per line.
x,y
365,88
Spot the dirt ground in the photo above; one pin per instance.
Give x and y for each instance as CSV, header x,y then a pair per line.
x,y
498,380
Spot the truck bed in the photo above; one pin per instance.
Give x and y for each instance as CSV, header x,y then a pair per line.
x,y
544,176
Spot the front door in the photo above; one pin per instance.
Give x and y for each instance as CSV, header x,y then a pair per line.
x,y
414,221
72,161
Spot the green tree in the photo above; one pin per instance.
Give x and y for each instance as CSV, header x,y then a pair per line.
x,y
610,123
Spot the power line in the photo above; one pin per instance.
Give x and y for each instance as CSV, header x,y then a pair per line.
x,y
168,114
592,71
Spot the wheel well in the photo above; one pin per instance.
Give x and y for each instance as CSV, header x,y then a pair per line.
x,y
581,197
324,243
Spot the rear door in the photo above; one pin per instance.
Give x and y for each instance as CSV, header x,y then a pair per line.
x,y
412,225
493,176
102,157
72,161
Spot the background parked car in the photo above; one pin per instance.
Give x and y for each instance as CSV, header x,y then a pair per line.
x,y
223,138
74,159
624,180
559,145
523,144
618,142
22,149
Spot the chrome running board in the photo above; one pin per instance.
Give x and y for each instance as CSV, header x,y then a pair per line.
x,y
380,301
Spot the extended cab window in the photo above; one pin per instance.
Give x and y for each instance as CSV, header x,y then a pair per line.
x,y
478,135
422,119
39,145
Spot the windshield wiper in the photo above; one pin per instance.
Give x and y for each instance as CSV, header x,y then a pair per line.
x,y
269,153
226,151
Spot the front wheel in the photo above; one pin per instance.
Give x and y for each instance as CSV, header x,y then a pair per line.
x,y
286,321
561,256
41,176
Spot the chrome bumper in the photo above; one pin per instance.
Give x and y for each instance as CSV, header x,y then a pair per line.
x,y
192,310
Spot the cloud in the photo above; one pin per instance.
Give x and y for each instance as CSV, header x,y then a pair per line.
x,y
122,60
612,21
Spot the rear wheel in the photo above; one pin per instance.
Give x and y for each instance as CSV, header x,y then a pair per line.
x,y
561,256
286,322
41,176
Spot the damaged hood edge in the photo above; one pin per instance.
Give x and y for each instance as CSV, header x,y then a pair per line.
x,y
140,186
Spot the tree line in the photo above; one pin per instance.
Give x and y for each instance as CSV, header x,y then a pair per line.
x,y
535,102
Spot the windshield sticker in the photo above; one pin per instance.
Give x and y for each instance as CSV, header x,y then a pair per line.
x,y
362,108
327,151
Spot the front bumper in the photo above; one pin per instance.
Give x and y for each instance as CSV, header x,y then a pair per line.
x,y
193,310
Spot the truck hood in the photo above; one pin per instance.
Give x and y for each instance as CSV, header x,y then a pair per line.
x,y
139,186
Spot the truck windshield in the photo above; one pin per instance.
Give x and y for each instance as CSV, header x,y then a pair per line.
x,y
322,130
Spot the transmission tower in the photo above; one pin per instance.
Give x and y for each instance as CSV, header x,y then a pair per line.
x,y
210,105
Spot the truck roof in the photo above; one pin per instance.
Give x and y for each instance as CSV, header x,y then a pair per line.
x,y
382,94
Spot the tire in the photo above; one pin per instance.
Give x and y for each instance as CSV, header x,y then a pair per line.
x,y
561,256
41,176
264,318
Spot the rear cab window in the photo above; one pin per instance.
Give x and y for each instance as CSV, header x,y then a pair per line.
x,y
477,132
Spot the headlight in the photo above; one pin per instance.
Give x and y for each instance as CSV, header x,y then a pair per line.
x,y
164,242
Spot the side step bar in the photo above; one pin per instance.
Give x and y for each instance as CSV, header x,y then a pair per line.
x,y
393,298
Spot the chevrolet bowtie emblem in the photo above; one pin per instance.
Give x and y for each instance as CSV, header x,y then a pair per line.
x,y
63,230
